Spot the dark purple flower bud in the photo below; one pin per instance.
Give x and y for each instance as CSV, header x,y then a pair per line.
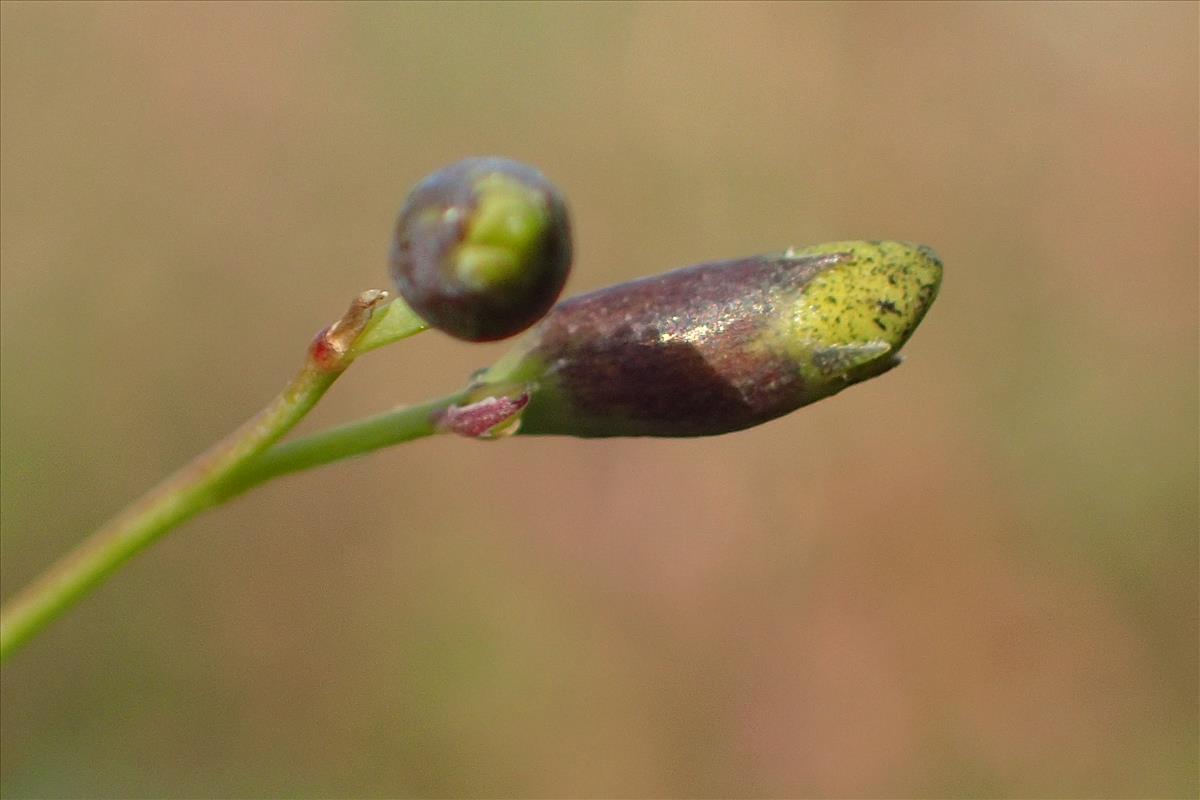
x,y
482,248
718,347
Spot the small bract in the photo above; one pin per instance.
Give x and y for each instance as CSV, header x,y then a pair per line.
x,y
482,248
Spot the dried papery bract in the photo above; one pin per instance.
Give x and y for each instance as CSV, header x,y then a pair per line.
x,y
482,248
719,347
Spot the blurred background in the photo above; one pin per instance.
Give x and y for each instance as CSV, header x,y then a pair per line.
x,y
190,191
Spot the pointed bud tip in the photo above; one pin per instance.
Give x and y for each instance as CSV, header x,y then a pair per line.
x,y
873,298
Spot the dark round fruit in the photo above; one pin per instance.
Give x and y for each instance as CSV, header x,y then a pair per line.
x,y
482,248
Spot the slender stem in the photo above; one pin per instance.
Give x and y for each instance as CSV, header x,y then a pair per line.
x,y
221,472
345,441
181,496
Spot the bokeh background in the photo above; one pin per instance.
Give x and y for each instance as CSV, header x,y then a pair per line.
x,y
975,576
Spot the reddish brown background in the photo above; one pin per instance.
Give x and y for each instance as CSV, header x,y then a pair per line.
x,y
975,576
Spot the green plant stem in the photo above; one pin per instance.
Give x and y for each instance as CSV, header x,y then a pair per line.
x,y
345,441
222,471
178,498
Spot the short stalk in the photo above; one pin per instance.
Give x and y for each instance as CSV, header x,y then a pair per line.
x,y
345,441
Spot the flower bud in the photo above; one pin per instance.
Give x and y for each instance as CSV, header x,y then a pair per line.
x,y
482,248
719,347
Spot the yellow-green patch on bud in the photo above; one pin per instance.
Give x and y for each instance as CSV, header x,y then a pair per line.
x,y
859,310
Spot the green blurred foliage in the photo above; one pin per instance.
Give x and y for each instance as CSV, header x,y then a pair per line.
x,y
191,190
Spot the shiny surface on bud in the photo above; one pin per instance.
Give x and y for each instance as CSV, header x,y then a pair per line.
x,y
724,346
482,248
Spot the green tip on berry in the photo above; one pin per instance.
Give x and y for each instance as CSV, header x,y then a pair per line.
x,y
482,248
503,236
